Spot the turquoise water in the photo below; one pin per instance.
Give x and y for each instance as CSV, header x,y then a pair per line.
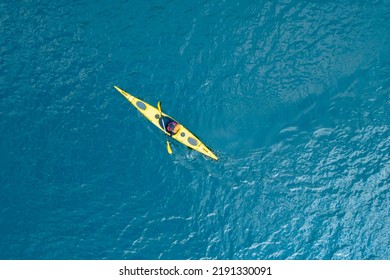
x,y
292,96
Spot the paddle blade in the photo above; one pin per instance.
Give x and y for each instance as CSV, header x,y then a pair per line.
x,y
169,148
159,106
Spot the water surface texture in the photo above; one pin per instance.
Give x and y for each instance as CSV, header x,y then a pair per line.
x,y
293,96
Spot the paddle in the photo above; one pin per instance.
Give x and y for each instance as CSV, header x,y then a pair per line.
x,y
169,148
168,144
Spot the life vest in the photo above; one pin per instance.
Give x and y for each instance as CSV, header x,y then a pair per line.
x,y
171,126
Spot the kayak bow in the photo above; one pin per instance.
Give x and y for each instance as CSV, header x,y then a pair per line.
x,y
183,135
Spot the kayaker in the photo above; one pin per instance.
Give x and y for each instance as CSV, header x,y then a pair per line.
x,y
169,125
173,127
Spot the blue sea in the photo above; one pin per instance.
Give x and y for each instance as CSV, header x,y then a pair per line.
x,y
292,96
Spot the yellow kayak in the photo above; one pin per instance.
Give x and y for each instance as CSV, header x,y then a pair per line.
x,y
168,125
